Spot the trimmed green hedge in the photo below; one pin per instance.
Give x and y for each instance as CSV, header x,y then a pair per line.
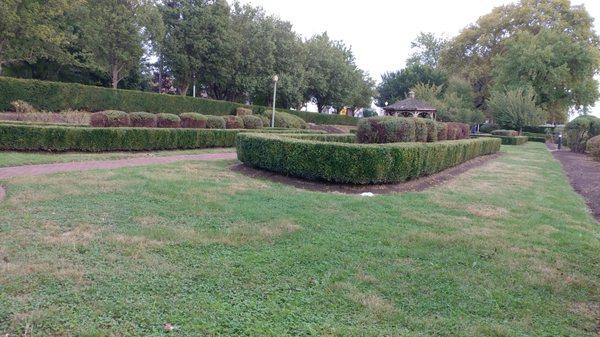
x,y
506,140
356,163
56,96
593,147
23,137
389,129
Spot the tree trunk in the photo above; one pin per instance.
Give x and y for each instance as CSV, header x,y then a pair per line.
x,y
114,76
319,107
183,89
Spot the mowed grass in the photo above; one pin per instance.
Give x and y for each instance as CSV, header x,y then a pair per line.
x,y
11,158
507,249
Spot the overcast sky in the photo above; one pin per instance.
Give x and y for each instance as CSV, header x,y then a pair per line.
x,y
380,31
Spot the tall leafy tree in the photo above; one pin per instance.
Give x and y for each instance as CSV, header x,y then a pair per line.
x,y
559,69
471,53
113,36
515,108
35,29
396,85
426,49
332,75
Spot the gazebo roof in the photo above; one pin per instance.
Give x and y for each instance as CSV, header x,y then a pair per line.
x,y
410,104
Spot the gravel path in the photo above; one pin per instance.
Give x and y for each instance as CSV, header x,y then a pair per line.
x,y
35,170
584,175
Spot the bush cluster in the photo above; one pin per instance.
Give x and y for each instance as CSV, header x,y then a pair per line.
x,y
142,119
32,137
215,122
488,127
165,120
252,122
580,130
283,120
192,120
55,96
243,112
506,133
593,147
389,129
317,159
110,118
234,122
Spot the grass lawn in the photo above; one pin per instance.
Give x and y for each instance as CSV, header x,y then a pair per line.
x,y
507,249
9,158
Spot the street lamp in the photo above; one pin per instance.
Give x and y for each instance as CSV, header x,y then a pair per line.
x,y
275,80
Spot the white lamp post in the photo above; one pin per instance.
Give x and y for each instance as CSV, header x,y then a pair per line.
x,y
275,80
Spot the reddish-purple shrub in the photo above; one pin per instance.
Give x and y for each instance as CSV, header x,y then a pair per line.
x,y
167,120
193,120
387,130
234,122
110,118
458,131
442,131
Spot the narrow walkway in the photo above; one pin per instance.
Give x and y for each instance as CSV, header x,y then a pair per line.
x,y
583,174
35,170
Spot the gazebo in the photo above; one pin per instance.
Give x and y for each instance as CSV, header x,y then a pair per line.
x,y
411,107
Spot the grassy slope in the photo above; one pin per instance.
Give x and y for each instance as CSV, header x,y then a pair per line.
x,y
507,249
9,158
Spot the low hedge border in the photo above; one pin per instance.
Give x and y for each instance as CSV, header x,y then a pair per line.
x,y
360,164
23,137
56,96
506,140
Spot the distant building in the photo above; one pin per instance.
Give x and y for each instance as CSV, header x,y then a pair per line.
x,y
411,107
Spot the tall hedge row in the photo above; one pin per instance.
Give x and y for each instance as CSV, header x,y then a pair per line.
x,y
580,130
55,96
356,163
28,137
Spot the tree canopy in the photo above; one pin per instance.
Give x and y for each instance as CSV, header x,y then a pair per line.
x,y
230,51
496,38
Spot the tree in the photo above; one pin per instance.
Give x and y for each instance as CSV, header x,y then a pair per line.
x,y
454,101
113,36
515,108
34,29
396,85
332,75
559,69
427,48
470,54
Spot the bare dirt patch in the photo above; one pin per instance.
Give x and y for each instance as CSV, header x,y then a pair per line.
x,y
583,174
416,185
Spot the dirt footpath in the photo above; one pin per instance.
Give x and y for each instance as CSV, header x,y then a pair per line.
x,y
584,176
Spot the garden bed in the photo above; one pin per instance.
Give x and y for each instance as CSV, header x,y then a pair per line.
x,y
349,163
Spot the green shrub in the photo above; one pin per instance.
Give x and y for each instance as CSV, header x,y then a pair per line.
x,y
506,140
432,132
243,112
110,118
539,129
356,163
421,130
215,122
442,131
580,130
286,120
252,122
593,147
386,129
142,119
506,133
164,120
55,96
20,106
192,120
488,127
234,122
31,137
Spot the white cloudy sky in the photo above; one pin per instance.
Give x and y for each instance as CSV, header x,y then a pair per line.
x,y
380,31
